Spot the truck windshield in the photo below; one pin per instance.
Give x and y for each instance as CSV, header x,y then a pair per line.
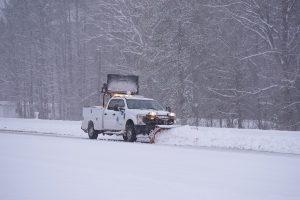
x,y
143,104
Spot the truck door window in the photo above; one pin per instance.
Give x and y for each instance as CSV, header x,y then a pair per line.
x,y
112,104
121,103
116,103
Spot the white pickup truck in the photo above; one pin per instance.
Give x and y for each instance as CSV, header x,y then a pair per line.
x,y
126,115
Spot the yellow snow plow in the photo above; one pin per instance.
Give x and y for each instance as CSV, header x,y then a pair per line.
x,y
158,130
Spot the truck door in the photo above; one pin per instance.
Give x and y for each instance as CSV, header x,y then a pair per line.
x,y
113,119
108,122
120,115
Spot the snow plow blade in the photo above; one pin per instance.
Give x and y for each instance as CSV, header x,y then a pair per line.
x,y
159,129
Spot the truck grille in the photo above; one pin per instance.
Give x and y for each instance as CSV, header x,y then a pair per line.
x,y
163,117
159,120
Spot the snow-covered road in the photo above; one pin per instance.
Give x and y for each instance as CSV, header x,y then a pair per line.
x,y
34,167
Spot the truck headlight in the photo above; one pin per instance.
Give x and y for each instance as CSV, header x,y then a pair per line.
x,y
151,115
172,115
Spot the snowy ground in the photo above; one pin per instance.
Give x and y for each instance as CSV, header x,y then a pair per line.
x,y
231,138
36,167
243,139
42,126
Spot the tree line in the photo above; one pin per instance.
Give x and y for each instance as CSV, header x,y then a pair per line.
x,y
231,61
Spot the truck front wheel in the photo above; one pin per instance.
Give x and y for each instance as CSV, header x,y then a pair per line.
x,y
130,134
91,132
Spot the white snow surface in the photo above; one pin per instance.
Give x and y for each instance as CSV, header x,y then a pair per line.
x,y
43,126
244,139
47,168
58,127
229,138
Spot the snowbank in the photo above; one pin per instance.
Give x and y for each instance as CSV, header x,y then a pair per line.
x,y
245,139
42,126
57,127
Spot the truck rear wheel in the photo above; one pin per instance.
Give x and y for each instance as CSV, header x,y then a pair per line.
x,y
130,134
91,132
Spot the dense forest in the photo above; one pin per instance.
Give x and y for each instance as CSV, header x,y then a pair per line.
x,y
226,60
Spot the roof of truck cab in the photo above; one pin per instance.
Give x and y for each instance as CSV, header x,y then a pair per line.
x,y
131,97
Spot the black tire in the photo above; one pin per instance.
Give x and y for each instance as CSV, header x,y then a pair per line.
x,y
130,134
91,132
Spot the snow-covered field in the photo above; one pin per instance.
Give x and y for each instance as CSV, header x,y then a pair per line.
x,y
60,168
244,139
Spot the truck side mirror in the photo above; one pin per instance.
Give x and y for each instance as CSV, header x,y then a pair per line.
x,y
116,108
168,108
